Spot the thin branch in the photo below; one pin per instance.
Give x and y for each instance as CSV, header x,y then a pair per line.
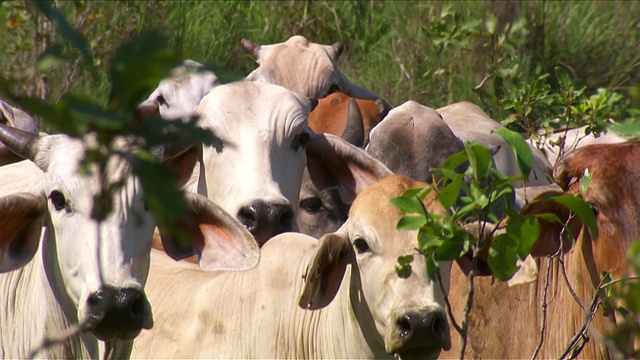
x,y
71,331
543,305
448,305
571,291
577,343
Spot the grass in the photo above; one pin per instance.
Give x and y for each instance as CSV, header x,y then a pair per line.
x,y
432,52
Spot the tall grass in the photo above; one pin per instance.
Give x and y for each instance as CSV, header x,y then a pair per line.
x,y
433,52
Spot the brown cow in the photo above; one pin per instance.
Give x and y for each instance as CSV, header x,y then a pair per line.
x,y
505,322
334,111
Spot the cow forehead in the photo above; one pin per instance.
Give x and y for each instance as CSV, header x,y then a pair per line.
x,y
255,103
371,207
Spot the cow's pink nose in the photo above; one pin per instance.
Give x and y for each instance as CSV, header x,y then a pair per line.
x,y
264,220
123,313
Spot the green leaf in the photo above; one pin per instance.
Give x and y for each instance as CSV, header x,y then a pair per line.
x,y
454,247
520,148
503,256
427,239
449,193
563,78
525,229
403,267
455,160
408,205
580,208
432,267
479,160
411,222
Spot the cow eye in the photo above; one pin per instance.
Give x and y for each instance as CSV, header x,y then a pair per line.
x,y
161,100
312,205
361,245
595,209
300,140
58,200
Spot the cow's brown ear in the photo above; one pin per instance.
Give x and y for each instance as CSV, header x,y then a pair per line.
x,y
21,220
548,242
219,241
331,160
324,273
183,163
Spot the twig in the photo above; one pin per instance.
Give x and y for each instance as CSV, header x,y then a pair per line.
x,y
467,310
71,331
543,305
448,305
576,344
571,291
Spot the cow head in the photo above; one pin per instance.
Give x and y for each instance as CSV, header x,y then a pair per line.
x,y
99,267
406,312
614,199
255,169
304,67
178,96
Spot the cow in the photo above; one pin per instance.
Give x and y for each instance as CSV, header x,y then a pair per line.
x,y
336,112
254,170
413,139
17,118
410,140
304,67
298,305
178,96
513,315
470,123
61,269
573,138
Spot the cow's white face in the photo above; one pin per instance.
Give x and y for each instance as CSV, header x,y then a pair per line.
x,y
407,312
179,95
255,169
96,260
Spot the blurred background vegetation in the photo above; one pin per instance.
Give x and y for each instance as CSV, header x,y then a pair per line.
x,y
501,55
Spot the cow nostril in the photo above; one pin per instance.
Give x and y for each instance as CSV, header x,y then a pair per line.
x,y
247,217
404,326
439,325
286,220
138,307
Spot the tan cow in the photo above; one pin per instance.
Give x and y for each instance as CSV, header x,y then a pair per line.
x,y
505,322
334,113
307,68
261,313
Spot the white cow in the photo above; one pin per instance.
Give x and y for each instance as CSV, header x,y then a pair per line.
x,y
307,68
573,139
298,306
178,96
59,267
470,123
254,170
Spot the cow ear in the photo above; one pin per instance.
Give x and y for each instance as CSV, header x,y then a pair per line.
x,y
332,160
219,241
324,273
183,164
548,241
21,220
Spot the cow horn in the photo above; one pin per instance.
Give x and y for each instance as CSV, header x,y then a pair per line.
x,y
354,131
251,47
20,142
337,48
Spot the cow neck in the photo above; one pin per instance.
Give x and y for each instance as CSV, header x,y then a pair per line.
x,y
565,316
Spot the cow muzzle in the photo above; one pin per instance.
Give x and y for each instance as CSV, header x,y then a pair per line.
x,y
266,220
119,313
418,333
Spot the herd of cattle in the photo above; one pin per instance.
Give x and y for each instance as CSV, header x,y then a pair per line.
x,y
294,240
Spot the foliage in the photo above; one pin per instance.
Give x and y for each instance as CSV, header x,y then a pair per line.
x,y
135,69
481,201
